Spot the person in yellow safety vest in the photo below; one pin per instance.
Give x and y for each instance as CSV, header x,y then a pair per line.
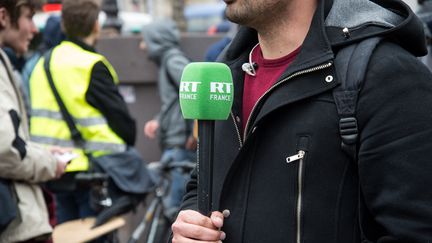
x,y
87,84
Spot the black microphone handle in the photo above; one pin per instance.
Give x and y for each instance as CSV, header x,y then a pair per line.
x,y
205,166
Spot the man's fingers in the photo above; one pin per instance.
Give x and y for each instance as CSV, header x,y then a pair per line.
x,y
191,231
193,225
194,217
217,219
181,239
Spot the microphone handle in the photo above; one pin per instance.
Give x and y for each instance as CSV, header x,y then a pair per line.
x,y
205,165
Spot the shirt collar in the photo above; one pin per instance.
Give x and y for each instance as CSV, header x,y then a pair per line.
x,y
81,44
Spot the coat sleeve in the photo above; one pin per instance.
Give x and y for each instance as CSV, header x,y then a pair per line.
x,y
190,200
395,153
21,159
104,95
175,66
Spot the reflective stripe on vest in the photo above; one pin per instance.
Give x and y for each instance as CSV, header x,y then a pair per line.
x,y
71,68
84,122
89,146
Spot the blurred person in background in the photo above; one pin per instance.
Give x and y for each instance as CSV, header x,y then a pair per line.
x,y
214,50
87,85
23,163
161,41
17,42
52,35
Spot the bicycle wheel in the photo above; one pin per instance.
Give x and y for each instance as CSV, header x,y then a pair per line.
x,y
159,229
142,230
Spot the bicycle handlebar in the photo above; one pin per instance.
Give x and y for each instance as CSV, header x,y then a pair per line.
x,y
180,165
163,166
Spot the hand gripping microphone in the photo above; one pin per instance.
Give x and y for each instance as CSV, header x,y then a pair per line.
x,y
206,94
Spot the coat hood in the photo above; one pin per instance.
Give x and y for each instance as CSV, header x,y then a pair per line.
x,y
349,21
160,36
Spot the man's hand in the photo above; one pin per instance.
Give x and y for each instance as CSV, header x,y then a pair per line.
x,y
191,143
193,227
59,150
150,128
61,166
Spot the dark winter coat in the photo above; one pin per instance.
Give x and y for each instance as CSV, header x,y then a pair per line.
x,y
316,199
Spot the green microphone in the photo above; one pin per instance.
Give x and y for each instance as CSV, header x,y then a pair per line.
x,y
206,94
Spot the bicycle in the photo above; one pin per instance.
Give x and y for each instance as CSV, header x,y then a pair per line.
x,y
156,215
155,225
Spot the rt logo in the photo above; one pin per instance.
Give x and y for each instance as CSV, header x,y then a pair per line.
x,y
221,88
189,86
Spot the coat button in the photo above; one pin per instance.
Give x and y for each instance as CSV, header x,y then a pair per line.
x,y
226,213
238,119
329,79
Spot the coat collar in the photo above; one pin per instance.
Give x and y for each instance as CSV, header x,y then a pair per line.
x,y
316,50
316,46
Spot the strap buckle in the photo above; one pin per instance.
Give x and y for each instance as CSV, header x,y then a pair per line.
x,y
349,130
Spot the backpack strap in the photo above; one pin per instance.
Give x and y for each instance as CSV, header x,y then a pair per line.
x,y
351,63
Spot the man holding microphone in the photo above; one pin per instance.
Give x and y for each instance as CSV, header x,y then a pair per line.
x,y
279,167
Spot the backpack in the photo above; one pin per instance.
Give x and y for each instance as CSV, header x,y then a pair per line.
x,y
351,63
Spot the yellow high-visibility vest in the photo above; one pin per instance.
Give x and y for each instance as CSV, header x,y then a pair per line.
x,y
71,68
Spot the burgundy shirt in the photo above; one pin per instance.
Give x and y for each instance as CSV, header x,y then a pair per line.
x,y
267,73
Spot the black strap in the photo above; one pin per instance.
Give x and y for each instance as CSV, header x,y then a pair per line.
x,y
75,133
351,63
18,143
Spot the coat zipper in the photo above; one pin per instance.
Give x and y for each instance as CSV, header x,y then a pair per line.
x,y
237,129
320,67
301,154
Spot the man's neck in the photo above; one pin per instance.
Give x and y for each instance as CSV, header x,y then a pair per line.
x,y
89,40
286,33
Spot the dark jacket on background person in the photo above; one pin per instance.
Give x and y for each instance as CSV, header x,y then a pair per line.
x,y
163,47
52,35
316,199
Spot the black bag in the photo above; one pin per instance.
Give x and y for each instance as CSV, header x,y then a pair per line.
x,y
127,170
8,204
